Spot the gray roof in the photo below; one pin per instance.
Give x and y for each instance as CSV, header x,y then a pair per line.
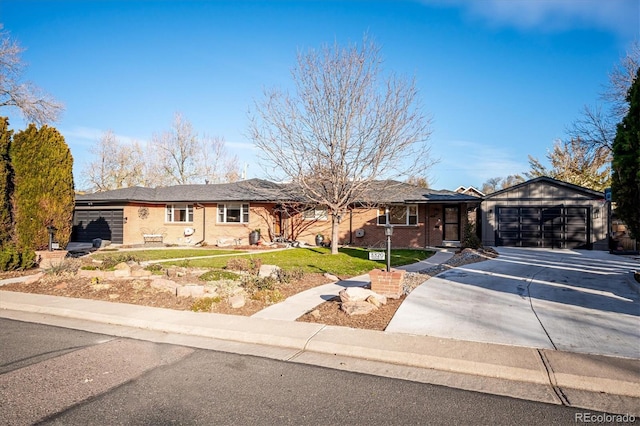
x,y
546,179
258,190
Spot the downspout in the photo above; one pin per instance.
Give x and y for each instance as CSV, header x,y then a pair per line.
x,y
350,227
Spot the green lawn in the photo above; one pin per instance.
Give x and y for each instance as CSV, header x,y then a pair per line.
x,y
349,262
159,254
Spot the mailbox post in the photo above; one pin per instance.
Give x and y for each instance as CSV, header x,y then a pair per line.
x,y
51,229
388,232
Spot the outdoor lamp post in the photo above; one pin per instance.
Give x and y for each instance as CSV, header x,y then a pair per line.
x,y
388,232
51,229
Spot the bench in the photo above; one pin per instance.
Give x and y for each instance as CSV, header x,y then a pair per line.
x,y
152,238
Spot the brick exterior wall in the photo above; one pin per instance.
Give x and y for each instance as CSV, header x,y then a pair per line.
x,y
428,232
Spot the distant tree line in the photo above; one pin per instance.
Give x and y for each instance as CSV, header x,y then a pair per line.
x,y
178,156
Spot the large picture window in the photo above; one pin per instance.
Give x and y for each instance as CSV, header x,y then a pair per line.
x,y
233,213
179,213
399,215
315,213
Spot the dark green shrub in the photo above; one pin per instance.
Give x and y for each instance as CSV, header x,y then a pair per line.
x,y
6,182
12,259
470,238
43,191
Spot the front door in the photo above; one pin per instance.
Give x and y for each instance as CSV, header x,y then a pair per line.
x,y
452,223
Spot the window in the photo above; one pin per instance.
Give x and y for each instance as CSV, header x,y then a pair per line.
x,y
399,215
233,213
179,213
317,213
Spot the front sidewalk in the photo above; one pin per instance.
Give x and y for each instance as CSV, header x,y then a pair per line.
x,y
594,382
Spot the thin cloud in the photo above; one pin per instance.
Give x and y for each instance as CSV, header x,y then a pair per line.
x,y
479,162
620,17
89,135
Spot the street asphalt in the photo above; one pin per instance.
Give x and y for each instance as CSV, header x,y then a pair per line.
x,y
542,366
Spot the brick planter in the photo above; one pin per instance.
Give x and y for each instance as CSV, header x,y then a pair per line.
x,y
47,259
388,284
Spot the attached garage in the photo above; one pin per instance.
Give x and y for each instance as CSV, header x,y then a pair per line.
x,y
106,224
545,213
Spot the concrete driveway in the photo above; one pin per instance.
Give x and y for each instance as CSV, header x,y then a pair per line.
x,y
571,300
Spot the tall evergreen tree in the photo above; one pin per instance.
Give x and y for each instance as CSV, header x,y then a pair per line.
x,y
625,185
43,182
6,189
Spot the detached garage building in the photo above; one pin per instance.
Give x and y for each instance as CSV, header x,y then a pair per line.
x,y
546,213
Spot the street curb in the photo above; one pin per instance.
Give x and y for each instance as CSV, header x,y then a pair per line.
x,y
521,364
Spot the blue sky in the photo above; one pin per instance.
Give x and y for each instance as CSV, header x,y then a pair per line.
x,y
500,79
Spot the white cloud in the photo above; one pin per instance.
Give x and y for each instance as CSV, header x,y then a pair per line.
x,y
621,17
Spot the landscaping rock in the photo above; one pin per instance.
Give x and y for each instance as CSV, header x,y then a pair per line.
x,y
34,278
331,277
237,301
122,270
315,313
190,291
176,271
359,294
374,301
357,308
268,271
165,284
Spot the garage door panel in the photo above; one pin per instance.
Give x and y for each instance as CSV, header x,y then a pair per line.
x,y
553,227
104,224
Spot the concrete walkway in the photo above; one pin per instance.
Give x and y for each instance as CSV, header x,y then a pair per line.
x,y
295,306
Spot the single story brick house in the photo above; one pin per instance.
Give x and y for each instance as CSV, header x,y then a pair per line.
x,y
225,214
546,213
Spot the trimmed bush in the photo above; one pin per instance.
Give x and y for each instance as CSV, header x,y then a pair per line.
x,y
43,187
12,259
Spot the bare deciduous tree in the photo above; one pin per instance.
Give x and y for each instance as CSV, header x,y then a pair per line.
x,y
116,164
345,126
176,153
215,163
499,183
596,126
180,157
33,103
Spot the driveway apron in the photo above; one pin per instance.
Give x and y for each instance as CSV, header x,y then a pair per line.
x,y
571,300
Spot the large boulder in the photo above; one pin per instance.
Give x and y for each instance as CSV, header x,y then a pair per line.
x,y
360,294
268,271
357,308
